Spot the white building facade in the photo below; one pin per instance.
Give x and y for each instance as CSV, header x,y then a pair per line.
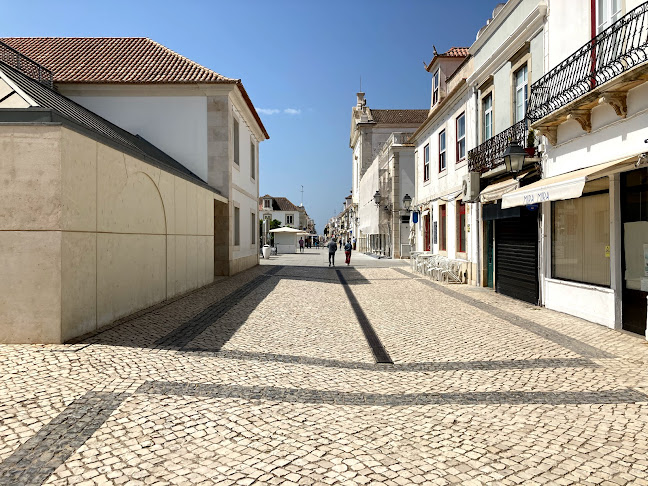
x,y
594,225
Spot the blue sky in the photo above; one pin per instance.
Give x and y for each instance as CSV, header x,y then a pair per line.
x,y
299,59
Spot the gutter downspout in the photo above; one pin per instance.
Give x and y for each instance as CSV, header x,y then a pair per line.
x,y
477,204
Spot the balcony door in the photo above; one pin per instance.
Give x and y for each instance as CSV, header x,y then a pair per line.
x,y
607,12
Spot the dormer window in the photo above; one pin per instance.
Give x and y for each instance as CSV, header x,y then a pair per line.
x,y
435,87
267,203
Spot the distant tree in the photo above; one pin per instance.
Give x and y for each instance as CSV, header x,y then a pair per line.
x,y
274,224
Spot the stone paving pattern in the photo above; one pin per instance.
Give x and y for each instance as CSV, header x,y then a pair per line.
x,y
268,378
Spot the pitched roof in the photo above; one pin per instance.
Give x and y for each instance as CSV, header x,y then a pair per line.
x,y
399,116
278,203
118,60
57,107
112,60
458,52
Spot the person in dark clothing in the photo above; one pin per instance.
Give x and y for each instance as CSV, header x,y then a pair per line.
x,y
332,248
347,252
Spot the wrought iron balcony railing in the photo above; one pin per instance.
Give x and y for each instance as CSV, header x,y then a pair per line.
x,y
22,63
614,51
488,155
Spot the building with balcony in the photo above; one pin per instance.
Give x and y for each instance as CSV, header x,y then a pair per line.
x,y
592,108
507,56
443,218
383,163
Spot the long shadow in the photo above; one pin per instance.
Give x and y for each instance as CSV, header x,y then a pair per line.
x,y
176,325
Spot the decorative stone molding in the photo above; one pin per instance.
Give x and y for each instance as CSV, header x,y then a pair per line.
x,y
551,132
617,100
583,117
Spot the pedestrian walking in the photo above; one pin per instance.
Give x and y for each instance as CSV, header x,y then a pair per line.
x,y
354,243
332,248
301,245
340,243
347,252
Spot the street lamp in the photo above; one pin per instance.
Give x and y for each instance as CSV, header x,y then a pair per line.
x,y
514,157
407,202
376,198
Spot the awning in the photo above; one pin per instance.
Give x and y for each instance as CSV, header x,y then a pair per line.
x,y
563,186
495,191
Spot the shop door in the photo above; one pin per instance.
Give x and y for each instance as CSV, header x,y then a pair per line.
x,y
490,255
426,232
516,257
634,215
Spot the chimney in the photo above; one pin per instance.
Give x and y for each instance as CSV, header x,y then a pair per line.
x,y
361,100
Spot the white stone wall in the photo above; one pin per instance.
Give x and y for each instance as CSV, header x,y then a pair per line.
x,y
175,124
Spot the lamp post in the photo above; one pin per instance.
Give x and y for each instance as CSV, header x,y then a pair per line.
x,y
514,158
407,202
376,198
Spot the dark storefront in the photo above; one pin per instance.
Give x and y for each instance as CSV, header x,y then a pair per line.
x,y
512,244
634,216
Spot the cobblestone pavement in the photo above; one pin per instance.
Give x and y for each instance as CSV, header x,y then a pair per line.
x,y
297,373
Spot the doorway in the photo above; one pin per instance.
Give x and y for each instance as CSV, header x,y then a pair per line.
x,y
634,244
490,255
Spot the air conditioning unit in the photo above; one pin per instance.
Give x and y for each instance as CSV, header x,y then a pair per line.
x,y
470,187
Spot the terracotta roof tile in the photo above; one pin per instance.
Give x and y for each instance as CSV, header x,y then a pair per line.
x,y
399,116
118,60
112,60
457,52
278,203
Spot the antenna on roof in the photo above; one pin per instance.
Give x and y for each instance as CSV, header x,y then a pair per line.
x,y
302,191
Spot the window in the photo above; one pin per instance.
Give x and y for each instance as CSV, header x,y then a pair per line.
x,y
442,151
426,163
461,137
237,227
607,12
461,226
405,219
521,93
253,224
580,237
442,227
487,107
252,160
236,141
289,218
267,203
435,87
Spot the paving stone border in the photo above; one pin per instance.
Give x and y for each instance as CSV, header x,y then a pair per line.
x,y
380,353
187,332
559,338
36,459
301,395
399,367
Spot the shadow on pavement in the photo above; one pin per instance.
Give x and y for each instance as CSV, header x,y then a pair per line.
x,y
171,327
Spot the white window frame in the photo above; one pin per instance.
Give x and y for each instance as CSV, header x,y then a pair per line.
x,y
461,154
290,219
426,163
443,160
436,78
488,116
607,12
267,203
521,92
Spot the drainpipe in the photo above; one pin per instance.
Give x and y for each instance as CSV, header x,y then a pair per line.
x,y
477,204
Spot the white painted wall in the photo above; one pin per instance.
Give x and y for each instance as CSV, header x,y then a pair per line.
x,y
589,302
367,209
175,124
242,173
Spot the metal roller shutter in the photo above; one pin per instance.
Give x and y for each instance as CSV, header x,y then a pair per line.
x,y
516,257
